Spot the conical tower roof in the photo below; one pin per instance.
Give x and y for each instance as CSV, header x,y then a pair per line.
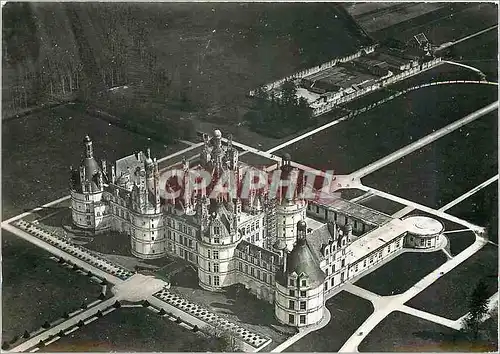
x,y
301,261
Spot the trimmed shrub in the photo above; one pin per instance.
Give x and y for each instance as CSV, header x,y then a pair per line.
x,y
102,296
26,335
80,323
5,345
46,325
117,304
146,303
162,312
178,320
195,328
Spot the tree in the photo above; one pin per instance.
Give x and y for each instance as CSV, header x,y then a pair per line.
x,y
478,308
227,341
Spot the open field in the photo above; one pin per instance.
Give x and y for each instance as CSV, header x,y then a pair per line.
x,y
449,23
348,312
134,330
38,150
389,127
445,169
400,332
401,273
481,208
480,52
448,296
36,289
375,17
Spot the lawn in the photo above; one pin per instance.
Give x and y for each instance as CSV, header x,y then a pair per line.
x,y
368,137
236,304
348,312
38,150
445,169
448,296
133,330
400,332
381,204
36,289
481,209
480,52
401,273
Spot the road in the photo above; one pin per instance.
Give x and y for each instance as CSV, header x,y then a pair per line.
x,y
34,341
423,141
449,44
469,193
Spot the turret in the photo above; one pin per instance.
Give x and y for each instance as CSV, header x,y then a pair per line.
x,y
89,150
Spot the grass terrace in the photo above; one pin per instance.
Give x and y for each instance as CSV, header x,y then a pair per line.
x,y
438,173
150,333
448,296
36,288
401,273
481,209
348,312
344,146
400,332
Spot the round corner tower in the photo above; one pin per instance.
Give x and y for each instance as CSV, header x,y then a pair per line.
x,y
299,294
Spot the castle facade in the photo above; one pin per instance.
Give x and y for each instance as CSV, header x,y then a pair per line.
x,y
286,250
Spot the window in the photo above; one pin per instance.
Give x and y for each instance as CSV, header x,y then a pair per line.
x,y
304,283
87,197
326,271
152,238
364,263
216,230
389,248
302,305
216,267
333,268
264,277
356,267
333,281
291,304
291,282
303,293
208,253
343,263
258,274
209,280
240,266
216,280
291,319
216,254
246,268
216,240
326,286
252,271
317,209
422,242
291,293
302,319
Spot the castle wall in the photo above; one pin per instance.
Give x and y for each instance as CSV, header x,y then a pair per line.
x,y
358,266
87,210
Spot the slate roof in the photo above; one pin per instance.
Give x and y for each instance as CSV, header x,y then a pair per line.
x,y
302,261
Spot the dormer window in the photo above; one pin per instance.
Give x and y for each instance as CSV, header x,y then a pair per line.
x,y
304,282
216,240
216,230
291,282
